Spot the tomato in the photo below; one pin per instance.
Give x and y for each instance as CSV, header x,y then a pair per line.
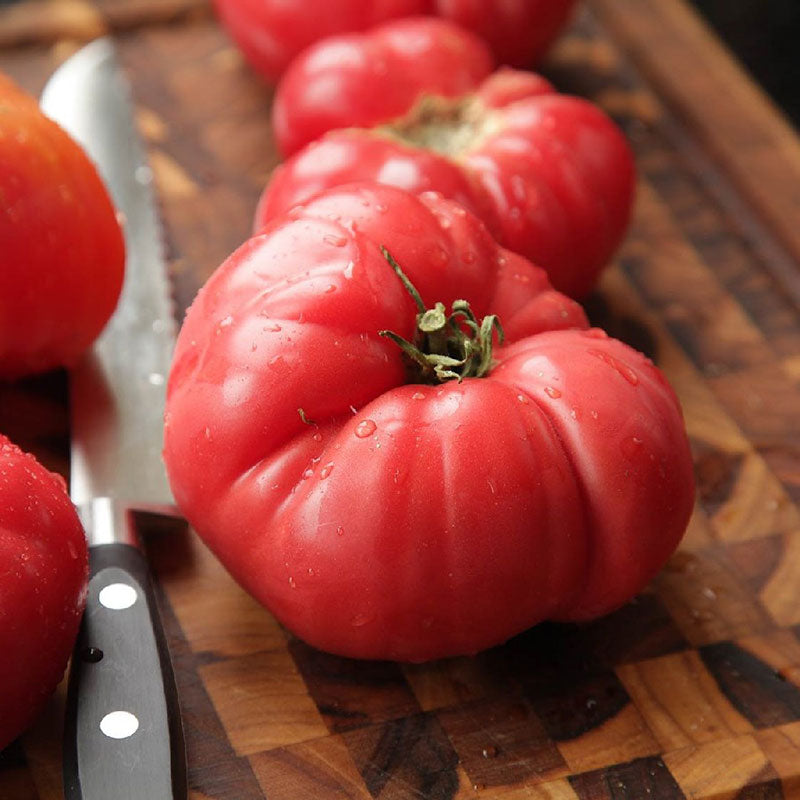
x,y
376,514
519,32
43,574
270,33
365,79
62,254
550,174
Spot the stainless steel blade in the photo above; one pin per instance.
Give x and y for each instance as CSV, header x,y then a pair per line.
x,y
117,393
120,667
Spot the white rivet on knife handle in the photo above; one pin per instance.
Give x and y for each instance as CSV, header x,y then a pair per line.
x,y
117,596
119,724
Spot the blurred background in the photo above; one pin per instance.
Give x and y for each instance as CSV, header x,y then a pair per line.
x,y
765,35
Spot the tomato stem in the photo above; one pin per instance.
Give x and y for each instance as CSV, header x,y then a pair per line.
x,y
445,346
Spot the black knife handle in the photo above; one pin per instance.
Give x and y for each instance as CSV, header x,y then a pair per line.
x,y
123,737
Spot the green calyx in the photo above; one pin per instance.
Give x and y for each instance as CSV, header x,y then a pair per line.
x,y
445,346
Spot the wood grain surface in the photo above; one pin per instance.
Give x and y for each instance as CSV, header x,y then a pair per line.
x,y
692,690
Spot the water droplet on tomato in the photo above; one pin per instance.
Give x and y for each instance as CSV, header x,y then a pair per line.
x,y
227,322
616,364
348,270
522,399
326,470
273,328
334,240
365,428
330,288
551,391
359,620
340,530
595,333
292,582
469,257
208,434
309,473
317,437
594,414
418,396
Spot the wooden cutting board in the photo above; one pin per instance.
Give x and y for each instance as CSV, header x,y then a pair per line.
x,y
690,691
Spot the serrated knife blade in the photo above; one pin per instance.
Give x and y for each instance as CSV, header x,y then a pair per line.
x,y
123,735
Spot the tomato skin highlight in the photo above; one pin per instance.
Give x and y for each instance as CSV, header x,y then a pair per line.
x,y
43,575
413,521
271,33
62,255
550,174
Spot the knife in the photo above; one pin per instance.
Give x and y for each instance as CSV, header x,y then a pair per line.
x,y
123,736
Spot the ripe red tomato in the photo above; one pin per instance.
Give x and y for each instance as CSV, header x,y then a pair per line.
x,y
364,79
519,32
62,254
382,517
43,574
550,174
270,33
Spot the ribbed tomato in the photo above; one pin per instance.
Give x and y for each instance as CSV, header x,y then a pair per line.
x,y
365,79
43,573
388,505
271,33
550,174
61,248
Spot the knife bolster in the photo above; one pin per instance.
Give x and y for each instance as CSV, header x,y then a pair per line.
x,y
108,521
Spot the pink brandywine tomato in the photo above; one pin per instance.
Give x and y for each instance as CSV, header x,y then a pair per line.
x,y
43,575
551,175
62,254
271,33
365,79
396,483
